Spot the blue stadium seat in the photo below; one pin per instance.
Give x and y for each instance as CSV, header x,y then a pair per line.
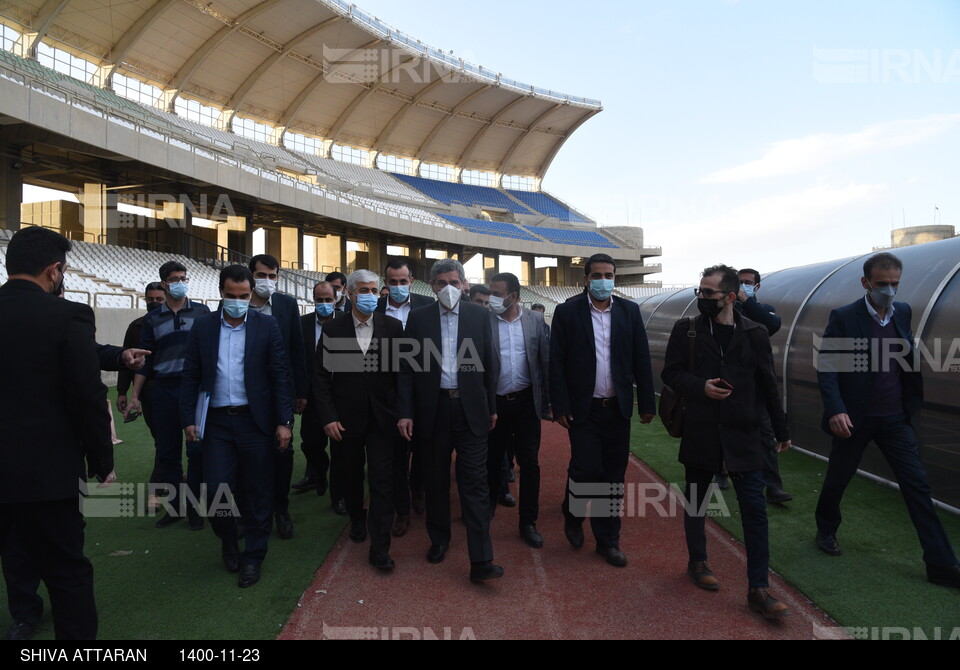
x,y
496,228
467,195
580,238
544,204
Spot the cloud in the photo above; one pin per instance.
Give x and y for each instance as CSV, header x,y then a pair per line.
x,y
810,153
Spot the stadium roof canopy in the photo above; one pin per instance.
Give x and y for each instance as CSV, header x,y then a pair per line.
x,y
322,68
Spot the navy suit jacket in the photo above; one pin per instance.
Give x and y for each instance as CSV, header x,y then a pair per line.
x,y
850,392
416,300
573,359
264,365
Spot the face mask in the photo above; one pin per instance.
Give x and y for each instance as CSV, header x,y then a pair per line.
x,y
748,290
338,297
265,287
449,296
153,305
324,309
883,297
179,290
366,303
235,309
601,289
709,307
498,305
399,294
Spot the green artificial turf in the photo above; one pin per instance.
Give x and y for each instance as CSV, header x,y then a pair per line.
x,y
878,582
173,584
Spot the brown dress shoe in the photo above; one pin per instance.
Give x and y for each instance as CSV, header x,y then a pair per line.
x,y
760,600
702,576
400,525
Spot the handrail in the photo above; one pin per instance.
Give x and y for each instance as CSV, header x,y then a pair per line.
x,y
122,295
86,293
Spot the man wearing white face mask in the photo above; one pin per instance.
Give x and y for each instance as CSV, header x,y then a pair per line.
x,y
267,301
339,282
598,352
447,391
877,404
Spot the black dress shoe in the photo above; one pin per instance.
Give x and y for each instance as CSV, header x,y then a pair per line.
x,y
436,553
284,525
249,576
531,536
21,630
418,502
304,484
193,516
828,544
613,556
574,533
485,571
778,496
944,576
507,499
167,520
340,507
358,530
511,476
231,555
381,560
322,487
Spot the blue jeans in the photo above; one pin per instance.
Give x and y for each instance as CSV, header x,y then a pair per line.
x,y
898,443
753,512
238,458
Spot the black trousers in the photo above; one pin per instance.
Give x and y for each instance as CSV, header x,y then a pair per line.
x,y
401,475
518,427
450,432
22,580
377,449
771,459
898,443
51,534
599,452
314,446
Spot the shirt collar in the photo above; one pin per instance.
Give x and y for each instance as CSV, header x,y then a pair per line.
x,y
594,307
519,314
876,316
455,310
357,323
223,320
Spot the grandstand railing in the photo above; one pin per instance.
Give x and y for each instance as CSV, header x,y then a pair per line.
x,y
209,253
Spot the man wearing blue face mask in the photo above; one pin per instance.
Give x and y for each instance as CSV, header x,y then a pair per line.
x,y
748,305
166,331
598,352
237,357
877,404
408,473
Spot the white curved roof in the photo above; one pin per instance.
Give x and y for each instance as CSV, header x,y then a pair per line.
x,y
319,67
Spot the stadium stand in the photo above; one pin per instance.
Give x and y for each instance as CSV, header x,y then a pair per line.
x,y
467,195
544,204
581,238
556,294
497,228
637,292
379,182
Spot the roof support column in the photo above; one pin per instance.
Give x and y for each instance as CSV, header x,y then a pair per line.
x,y
11,183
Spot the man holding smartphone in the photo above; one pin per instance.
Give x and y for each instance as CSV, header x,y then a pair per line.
x,y
731,371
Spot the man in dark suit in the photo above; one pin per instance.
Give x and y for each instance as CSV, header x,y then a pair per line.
x,y
237,357
286,311
154,296
339,282
448,401
52,419
731,374
356,392
523,397
878,403
313,438
598,352
408,476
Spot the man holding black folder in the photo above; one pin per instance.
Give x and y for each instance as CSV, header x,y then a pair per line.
x,y
237,358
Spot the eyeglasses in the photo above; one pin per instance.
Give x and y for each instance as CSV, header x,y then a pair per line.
x,y
178,280
707,292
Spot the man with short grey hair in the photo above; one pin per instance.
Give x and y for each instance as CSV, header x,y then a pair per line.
x,y
448,401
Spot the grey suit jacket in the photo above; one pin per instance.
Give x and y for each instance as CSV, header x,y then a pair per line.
x,y
538,355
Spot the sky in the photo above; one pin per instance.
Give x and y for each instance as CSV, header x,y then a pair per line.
x,y
761,133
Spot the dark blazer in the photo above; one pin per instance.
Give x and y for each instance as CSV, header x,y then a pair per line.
x,y
419,383
109,357
573,359
264,363
53,411
308,328
724,431
416,300
353,397
537,347
850,392
287,313
130,339
762,313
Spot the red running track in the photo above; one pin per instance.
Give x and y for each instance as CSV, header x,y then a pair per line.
x,y
556,592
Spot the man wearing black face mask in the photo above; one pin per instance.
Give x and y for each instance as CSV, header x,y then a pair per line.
x,y
877,404
153,296
732,366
